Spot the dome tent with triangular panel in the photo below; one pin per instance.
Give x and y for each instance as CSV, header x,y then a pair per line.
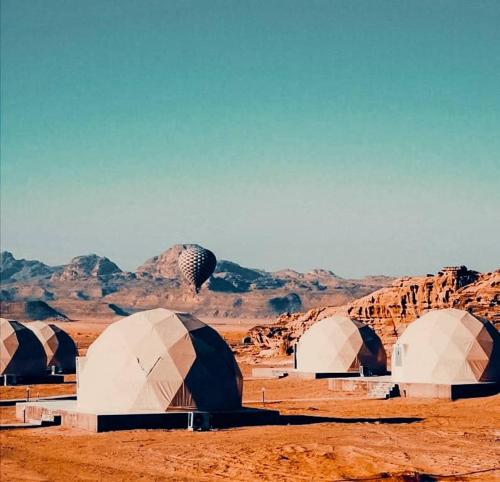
x,y
159,360
447,346
338,344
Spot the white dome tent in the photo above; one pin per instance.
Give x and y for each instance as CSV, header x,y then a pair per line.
x,y
447,346
340,345
159,360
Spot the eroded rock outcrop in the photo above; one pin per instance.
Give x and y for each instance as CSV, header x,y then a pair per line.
x,y
408,298
18,270
88,266
390,309
165,264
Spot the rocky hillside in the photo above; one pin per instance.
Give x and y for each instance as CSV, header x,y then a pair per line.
x,y
94,286
14,270
390,309
31,310
90,266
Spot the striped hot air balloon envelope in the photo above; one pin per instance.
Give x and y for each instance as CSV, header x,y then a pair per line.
x,y
197,264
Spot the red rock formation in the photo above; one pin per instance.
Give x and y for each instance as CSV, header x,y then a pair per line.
x,y
408,298
390,309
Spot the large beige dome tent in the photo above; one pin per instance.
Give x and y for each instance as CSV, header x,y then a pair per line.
x,y
59,347
159,360
21,353
339,345
445,347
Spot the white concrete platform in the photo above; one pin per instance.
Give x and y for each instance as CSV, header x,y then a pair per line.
x,y
284,371
452,391
386,387
67,413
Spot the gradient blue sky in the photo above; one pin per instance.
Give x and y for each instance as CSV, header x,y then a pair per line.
x,y
359,136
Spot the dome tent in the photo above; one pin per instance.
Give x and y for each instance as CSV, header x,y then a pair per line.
x,y
59,347
339,345
447,346
158,360
21,353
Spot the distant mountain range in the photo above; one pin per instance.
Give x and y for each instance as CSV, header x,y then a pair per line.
x,y
94,286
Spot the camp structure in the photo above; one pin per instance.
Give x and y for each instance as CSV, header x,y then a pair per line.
x,y
447,346
338,345
60,349
159,360
153,369
21,353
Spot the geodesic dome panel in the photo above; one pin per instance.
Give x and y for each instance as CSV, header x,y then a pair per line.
x,y
159,360
339,345
21,353
59,347
447,346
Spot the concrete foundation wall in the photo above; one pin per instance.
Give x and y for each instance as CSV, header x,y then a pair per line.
x,y
448,392
66,413
425,390
352,385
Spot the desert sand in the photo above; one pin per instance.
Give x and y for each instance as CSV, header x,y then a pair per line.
x,y
325,437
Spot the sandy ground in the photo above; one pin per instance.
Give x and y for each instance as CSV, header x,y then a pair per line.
x,y
328,438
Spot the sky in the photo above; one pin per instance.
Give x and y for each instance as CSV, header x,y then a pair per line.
x,y
357,136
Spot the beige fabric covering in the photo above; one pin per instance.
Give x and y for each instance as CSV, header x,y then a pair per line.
x,y
159,360
339,345
447,346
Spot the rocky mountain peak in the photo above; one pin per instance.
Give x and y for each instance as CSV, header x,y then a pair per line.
x,y
88,266
165,264
322,273
232,291
19,270
5,257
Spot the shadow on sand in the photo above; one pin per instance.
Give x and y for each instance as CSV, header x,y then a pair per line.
x,y
271,419
17,426
393,477
310,419
411,476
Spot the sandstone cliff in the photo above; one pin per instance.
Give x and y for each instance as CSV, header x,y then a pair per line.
x,y
390,309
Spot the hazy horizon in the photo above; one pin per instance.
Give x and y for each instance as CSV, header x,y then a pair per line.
x,y
356,136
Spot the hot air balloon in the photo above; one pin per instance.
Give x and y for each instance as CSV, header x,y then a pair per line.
x,y
197,264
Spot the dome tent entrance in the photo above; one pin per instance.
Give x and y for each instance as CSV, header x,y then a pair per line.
x,y
340,345
159,360
447,346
